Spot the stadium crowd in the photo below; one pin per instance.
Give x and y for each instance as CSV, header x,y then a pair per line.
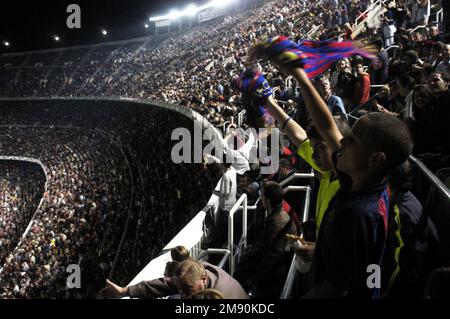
x,y
22,187
177,70
93,187
70,226
194,69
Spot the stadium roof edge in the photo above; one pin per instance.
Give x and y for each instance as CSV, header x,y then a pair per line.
x,y
100,44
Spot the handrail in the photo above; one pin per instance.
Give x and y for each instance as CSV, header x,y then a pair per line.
x,y
242,199
313,30
439,14
288,79
254,207
216,251
240,116
290,278
417,28
224,125
393,46
440,186
292,273
307,189
370,8
228,127
297,176
227,61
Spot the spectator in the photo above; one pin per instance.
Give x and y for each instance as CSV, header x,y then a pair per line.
x,y
389,31
226,191
435,35
393,138
191,277
444,66
415,241
436,56
263,267
179,253
380,67
406,90
340,66
361,87
335,104
421,12
83,216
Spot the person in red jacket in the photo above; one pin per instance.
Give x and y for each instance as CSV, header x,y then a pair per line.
x,y
361,87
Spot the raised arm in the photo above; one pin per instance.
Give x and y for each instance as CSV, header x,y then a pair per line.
x,y
160,287
315,57
293,130
252,82
320,114
287,57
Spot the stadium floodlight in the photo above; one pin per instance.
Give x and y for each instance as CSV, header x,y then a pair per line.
x,y
104,32
174,14
160,18
56,38
190,10
6,43
146,26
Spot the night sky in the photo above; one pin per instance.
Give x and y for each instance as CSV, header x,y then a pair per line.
x,y
30,25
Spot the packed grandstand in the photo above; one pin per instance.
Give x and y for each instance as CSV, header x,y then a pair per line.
x,y
86,173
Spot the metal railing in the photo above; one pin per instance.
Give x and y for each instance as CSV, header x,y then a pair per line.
x,y
313,30
240,246
292,273
434,181
290,279
369,9
392,47
306,189
275,89
240,117
417,28
288,82
224,127
215,251
439,16
228,128
297,176
241,200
